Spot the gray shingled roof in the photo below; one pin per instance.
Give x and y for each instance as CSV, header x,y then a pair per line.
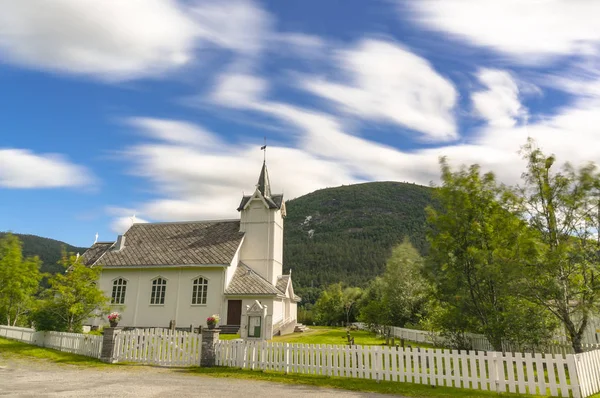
x,y
186,243
246,282
282,283
274,201
95,252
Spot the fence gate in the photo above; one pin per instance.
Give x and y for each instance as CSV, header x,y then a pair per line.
x,y
158,347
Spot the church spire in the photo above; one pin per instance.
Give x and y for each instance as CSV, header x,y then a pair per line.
x,y
264,185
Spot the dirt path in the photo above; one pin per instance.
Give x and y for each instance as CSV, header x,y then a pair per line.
x,y
33,378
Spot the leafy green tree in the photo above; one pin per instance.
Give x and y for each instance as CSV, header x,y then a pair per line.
x,y
399,295
72,298
329,308
372,308
350,297
19,279
563,207
477,247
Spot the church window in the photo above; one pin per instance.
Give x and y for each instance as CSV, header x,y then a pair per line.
x,y
118,291
199,291
159,288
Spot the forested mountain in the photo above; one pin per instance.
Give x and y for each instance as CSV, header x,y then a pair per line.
x,y
346,234
48,250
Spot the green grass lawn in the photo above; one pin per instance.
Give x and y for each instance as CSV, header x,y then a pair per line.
x,y
337,336
229,336
14,349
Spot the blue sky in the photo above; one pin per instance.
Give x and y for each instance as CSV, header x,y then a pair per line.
x,y
158,108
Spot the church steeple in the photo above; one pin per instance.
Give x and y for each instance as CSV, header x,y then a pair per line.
x,y
264,185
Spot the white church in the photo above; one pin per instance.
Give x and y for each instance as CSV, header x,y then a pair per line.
x,y
184,272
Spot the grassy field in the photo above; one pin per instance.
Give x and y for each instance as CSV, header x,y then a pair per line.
x,y
337,336
14,349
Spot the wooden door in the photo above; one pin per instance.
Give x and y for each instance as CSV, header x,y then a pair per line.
x,y
234,312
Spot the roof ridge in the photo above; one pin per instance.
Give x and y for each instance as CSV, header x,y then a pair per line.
x,y
188,222
257,274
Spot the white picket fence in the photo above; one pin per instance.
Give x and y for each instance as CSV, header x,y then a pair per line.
x,y
480,342
158,347
588,372
527,373
75,343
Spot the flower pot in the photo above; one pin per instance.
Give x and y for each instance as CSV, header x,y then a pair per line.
x,y
211,325
113,324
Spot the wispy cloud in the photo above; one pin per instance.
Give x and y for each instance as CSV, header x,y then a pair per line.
x,y
386,82
21,168
499,103
121,40
529,31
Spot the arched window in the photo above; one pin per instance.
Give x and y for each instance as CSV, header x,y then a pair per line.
x,y
159,288
118,291
199,290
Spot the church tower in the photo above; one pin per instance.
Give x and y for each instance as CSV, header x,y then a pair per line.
x,y
262,216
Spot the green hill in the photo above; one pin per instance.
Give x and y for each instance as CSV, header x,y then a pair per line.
x,y
346,233
48,250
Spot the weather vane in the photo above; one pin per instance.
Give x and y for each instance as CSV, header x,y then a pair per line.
x,y
264,149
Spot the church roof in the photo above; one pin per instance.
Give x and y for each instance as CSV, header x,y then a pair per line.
x,y
264,187
246,282
180,243
95,252
282,283
274,202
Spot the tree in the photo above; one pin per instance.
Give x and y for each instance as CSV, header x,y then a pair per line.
x,y
399,295
329,308
72,297
563,207
350,296
477,247
19,279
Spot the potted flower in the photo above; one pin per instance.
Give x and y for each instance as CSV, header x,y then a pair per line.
x,y
113,319
212,321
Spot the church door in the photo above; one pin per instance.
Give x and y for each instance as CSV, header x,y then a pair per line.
x,y
234,312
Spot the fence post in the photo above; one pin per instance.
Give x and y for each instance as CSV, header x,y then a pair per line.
x,y
210,337
107,354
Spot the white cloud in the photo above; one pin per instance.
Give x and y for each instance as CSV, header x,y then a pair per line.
x,y
20,168
207,182
499,104
239,25
528,30
174,132
386,82
109,38
119,40
296,43
238,89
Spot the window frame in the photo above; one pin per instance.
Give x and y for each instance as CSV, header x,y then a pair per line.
x,y
158,292
119,290
199,290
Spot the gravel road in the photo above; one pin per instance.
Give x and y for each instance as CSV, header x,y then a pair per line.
x,y
33,378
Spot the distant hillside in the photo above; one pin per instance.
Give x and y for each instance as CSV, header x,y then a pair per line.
x,y
48,250
346,233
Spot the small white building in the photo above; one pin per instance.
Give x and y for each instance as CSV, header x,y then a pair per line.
x,y
184,272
